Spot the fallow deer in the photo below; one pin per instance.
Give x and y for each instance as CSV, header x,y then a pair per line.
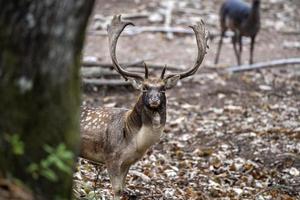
x,y
119,137
243,20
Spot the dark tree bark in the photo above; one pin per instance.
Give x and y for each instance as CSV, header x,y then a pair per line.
x,y
40,47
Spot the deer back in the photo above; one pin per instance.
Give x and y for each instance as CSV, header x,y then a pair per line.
x,y
101,132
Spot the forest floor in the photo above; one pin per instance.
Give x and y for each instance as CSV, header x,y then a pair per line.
x,y
228,136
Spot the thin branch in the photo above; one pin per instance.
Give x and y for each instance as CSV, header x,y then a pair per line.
x,y
273,187
268,64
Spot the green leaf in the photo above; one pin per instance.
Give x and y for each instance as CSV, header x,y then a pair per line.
x,y
45,163
16,143
48,149
49,174
33,167
67,155
63,166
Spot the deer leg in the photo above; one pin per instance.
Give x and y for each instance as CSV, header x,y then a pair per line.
x,y
219,47
251,49
117,178
241,47
234,38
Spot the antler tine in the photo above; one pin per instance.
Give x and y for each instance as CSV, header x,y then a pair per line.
x,y
163,72
201,38
114,31
146,70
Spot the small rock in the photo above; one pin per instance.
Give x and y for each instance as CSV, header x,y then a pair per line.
x,y
294,172
265,87
169,192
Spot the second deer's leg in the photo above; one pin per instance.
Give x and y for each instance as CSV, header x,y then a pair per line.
x,y
241,47
252,49
234,40
219,47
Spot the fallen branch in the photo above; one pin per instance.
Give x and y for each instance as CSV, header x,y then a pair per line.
x,y
191,11
124,16
135,15
109,65
97,72
101,21
144,29
100,71
138,64
105,82
269,64
155,29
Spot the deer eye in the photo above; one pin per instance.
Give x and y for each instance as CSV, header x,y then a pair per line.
x,y
145,88
162,89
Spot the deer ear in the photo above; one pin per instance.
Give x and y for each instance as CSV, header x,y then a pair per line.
x,y
172,81
137,84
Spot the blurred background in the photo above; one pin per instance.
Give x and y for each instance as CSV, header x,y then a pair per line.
x,y
278,38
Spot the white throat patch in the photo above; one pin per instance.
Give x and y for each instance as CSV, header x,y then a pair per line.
x,y
147,136
156,120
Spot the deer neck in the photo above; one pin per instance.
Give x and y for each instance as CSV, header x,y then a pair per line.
x,y
141,116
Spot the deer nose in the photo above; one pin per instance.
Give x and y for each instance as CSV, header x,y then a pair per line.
x,y
154,103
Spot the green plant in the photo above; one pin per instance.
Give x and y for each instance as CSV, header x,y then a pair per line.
x,y
59,160
16,144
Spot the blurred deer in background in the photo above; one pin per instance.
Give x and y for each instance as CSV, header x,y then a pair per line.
x,y
119,137
243,20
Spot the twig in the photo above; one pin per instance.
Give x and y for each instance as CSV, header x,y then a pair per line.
x,y
144,177
274,187
269,64
292,155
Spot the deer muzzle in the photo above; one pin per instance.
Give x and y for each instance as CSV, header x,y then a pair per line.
x,y
154,103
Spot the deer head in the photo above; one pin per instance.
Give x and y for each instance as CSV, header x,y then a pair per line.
x,y
153,89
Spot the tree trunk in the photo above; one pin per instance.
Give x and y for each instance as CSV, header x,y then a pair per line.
x,y
40,47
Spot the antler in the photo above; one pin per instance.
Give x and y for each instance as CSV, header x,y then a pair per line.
x,y
201,38
114,31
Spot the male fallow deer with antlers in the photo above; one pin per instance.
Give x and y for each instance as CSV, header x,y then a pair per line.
x,y
119,137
